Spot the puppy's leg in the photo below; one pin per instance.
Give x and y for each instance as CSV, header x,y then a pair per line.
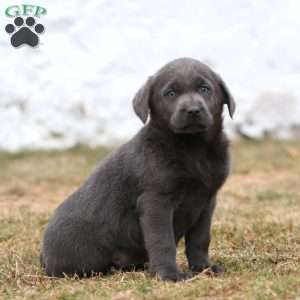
x,y
71,247
156,218
197,242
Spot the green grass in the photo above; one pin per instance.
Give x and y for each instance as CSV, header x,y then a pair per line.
x,y
256,229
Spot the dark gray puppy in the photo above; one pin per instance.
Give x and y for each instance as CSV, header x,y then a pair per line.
x,y
155,189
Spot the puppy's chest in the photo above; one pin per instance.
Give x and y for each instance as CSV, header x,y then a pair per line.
x,y
200,173
195,182
189,204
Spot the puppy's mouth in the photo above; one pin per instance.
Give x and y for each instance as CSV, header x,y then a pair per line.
x,y
191,128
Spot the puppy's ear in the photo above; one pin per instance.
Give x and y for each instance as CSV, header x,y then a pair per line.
x,y
141,100
227,97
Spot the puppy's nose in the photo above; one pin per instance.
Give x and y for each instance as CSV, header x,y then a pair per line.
x,y
193,111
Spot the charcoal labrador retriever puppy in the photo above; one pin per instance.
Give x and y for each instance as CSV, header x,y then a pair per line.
x,y
155,189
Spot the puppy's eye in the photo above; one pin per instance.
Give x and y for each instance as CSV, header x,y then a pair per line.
x,y
204,90
170,93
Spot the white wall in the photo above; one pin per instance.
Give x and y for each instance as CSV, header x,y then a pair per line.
x,y
77,86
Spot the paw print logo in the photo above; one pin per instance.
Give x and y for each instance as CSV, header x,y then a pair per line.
x,y
24,33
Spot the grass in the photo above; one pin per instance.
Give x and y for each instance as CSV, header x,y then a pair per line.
x,y
256,229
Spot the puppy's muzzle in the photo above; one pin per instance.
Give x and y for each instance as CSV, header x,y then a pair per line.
x,y
198,114
195,112
192,117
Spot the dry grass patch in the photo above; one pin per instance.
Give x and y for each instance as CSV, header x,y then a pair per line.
x,y
256,232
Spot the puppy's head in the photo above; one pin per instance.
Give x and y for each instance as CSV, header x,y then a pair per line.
x,y
185,95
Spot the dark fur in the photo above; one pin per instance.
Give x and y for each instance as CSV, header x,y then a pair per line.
x,y
155,189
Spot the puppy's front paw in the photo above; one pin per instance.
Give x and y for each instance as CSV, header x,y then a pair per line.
x,y
211,269
217,269
173,275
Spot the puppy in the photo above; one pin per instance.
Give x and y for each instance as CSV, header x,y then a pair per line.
x,y
155,189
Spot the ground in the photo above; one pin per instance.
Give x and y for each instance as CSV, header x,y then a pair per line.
x,y
256,229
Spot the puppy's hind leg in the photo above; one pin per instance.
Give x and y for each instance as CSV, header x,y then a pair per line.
x,y
71,248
